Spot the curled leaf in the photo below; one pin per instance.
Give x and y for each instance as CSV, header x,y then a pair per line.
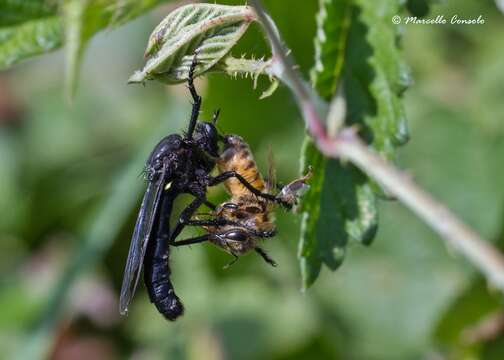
x,y
270,90
208,30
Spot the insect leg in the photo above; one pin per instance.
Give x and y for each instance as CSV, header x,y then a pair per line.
x,y
227,266
185,216
264,234
229,174
210,205
196,98
194,240
265,256
210,222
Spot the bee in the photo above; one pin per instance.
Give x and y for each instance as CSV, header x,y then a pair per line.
x,y
249,218
238,225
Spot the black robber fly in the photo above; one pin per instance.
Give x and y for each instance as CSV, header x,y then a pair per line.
x,y
178,164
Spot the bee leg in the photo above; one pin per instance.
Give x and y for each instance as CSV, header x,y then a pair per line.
x,y
229,174
190,241
196,98
265,256
265,234
185,216
227,266
211,222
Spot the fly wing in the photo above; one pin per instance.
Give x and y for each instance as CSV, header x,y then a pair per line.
x,y
138,246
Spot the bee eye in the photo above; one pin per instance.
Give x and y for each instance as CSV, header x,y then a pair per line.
x,y
236,235
253,209
230,206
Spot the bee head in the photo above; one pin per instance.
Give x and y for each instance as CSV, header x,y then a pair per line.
x,y
233,141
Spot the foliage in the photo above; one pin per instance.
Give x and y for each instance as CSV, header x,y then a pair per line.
x,y
27,28
365,60
339,207
210,31
33,27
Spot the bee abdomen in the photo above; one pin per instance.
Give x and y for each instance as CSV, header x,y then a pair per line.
x,y
238,157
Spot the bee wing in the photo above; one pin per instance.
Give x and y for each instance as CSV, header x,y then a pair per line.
x,y
291,192
271,171
139,240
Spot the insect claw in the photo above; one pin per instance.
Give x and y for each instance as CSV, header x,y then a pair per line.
x,y
228,265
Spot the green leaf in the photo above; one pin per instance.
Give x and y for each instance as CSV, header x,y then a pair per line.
x,y
340,206
206,29
419,8
33,27
333,22
18,11
474,304
126,10
471,306
356,44
83,18
375,76
29,38
323,238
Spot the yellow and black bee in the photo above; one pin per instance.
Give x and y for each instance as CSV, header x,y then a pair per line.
x,y
250,217
239,224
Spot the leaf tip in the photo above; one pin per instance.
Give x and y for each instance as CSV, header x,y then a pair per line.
x,y
137,77
310,270
270,90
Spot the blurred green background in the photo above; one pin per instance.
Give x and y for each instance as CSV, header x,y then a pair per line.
x,y
70,189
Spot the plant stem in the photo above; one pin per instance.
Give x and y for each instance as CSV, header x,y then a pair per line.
x,y
347,145
480,252
244,67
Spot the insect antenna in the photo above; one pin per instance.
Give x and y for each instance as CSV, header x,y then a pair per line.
x,y
215,116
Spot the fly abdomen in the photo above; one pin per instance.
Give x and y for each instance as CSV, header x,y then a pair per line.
x,y
156,265
159,286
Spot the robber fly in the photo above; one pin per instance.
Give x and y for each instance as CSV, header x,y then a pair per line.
x,y
178,164
238,225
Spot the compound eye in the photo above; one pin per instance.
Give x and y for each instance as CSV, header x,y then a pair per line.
x,y
236,235
209,131
230,205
